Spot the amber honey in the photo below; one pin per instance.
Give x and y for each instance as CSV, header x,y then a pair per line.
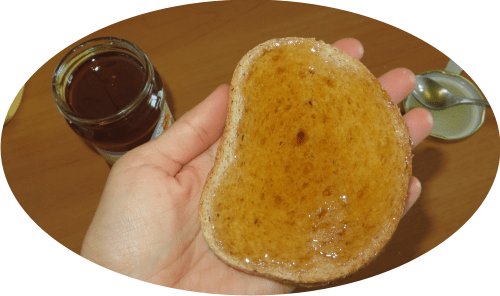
x,y
111,96
312,176
105,84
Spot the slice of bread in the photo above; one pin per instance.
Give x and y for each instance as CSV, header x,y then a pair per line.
x,y
312,171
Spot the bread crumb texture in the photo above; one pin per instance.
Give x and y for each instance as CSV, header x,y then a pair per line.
x,y
315,182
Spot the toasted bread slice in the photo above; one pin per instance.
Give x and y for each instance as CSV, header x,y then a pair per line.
x,y
312,171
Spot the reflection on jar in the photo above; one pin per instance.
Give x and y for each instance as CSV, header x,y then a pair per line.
x,y
111,96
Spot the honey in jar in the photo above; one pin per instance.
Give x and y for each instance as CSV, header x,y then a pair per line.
x,y
111,96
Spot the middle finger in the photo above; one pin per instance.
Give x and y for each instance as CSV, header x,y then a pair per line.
x,y
398,83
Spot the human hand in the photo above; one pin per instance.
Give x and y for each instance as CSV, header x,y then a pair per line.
x,y
146,225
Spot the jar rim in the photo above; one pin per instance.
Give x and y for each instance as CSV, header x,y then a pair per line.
x,y
81,53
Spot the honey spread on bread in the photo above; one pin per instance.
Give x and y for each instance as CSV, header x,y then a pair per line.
x,y
312,172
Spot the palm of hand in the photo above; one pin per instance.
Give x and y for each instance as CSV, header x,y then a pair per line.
x,y
147,226
154,232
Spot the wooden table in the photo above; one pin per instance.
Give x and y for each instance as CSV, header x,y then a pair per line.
x,y
195,48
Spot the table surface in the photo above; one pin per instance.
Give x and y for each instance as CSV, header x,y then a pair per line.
x,y
195,48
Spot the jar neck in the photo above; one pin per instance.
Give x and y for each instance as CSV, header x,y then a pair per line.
x,y
63,76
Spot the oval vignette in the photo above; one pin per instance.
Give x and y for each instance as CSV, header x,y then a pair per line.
x,y
430,159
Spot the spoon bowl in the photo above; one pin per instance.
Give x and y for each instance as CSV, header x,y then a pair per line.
x,y
458,122
435,96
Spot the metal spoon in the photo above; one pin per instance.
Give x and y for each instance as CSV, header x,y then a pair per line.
x,y
435,96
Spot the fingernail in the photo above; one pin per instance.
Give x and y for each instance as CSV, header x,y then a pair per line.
x,y
430,119
361,50
413,78
419,186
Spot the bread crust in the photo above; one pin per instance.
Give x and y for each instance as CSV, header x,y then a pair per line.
x,y
228,144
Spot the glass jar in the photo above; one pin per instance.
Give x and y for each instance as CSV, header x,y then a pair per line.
x,y
111,96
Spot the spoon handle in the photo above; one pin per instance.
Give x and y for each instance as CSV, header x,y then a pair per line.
x,y
474,101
